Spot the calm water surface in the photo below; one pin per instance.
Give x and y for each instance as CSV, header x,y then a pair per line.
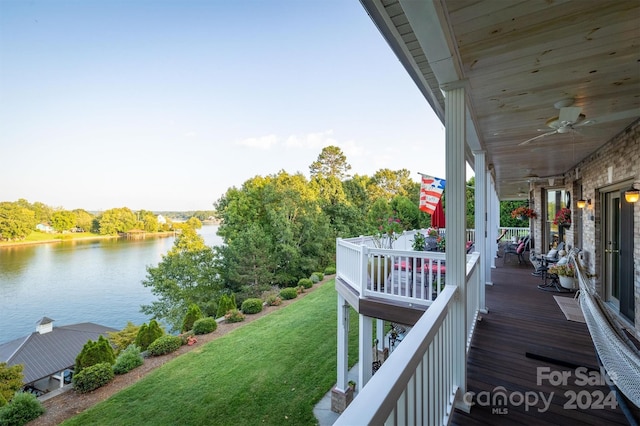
x,y
81,281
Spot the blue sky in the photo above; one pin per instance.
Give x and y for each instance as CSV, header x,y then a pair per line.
x,y
163,105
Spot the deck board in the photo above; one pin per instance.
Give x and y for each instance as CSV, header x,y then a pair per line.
x,y
523,319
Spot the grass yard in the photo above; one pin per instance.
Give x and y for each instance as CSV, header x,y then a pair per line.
x,y
271,371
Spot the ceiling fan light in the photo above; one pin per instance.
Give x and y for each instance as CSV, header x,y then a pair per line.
x,y
632,195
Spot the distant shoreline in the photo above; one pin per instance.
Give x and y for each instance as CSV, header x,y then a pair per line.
x,y
88,238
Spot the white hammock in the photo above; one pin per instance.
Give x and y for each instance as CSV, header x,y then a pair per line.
x,y
619,356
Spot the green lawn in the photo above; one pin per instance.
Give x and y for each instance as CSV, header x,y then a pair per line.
x,y
271,371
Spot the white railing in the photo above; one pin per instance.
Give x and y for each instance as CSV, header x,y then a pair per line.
x,y
419,381
415,277
513,234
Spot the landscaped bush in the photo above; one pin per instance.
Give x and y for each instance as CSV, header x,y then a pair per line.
x,y
289,293
164,345
120,340
128,359
93,377
94,353
273,300
148,334
330,270
226,304
205,325
305,282
193,314
234,315
251,306
23,408
319,276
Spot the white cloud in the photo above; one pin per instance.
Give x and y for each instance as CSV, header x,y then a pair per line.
x,y
262,142
314,141
191,134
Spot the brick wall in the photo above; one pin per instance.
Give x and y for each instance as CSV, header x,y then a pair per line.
x,y
614,166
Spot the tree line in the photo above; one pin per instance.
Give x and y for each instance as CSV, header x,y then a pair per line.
x,y
20,218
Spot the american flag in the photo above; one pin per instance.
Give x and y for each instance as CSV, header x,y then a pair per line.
x,y
430,191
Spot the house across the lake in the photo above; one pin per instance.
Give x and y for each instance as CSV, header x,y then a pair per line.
x,y
49,353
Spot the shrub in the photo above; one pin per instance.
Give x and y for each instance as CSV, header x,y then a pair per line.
x,y
273,300
128,359
23,408
226,304
10,381
205,325
93,377
120,340
234,315
164,345
148,334
95,353
288,293
305,282
251,306
330,270
319,276
193,314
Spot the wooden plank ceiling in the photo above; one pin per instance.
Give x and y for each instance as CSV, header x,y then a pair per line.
x,y
520,59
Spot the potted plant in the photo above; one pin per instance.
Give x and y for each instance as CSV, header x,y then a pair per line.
x,y
389,229
566,274
419,242
352,385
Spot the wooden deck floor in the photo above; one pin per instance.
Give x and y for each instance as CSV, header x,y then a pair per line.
x,y
522,322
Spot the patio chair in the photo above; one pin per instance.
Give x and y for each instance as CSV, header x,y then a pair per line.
x,y
518,249
541,262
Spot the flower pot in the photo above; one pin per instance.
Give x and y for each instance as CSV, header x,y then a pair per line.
x,y
567,282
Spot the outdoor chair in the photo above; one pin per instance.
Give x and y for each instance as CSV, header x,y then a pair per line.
x,y
518,249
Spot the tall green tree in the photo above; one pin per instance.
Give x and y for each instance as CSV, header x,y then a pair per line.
x,y
84,219
63,220
16,221
387,183
186,275
288,211
117,220
331,163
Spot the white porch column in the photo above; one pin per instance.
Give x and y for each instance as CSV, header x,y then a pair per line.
x,y
489,259
365,352
481,221
492,228
380,335
343,343
455,125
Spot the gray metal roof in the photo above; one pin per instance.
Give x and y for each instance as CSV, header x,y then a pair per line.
x,y
45,354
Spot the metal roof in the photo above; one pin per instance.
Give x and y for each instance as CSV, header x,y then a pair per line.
x,y
45,354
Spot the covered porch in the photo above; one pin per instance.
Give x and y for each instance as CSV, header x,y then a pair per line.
x,y
540,99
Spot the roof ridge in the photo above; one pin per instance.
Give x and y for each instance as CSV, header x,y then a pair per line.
x,y
20,346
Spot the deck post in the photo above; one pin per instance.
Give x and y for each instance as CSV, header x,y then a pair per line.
x,y
481,222
343,342
365,352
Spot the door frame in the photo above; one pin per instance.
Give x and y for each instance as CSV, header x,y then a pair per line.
x,y
606,287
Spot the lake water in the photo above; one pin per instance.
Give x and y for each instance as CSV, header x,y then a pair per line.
x,y
71,282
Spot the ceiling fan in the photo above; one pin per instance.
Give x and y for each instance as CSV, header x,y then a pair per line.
x,y
568,119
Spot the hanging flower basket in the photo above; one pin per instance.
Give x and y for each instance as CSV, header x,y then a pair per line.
x,y
524,213
563,217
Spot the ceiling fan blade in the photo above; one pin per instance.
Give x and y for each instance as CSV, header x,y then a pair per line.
x,y
537,137
569,115
620,115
